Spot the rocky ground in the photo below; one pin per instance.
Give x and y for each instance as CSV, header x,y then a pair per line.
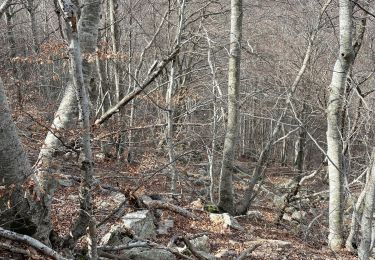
x,y
160,232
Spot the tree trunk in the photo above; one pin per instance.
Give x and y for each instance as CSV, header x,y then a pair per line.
x,y
334,142
89,30
18,209
4,6
14,164
226,185
169,101
365,249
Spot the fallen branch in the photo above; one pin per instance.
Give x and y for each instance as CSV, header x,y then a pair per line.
x,y
142,243
14,249
157,204
31,242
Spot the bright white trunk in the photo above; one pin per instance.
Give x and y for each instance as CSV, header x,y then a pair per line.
x,y
334,139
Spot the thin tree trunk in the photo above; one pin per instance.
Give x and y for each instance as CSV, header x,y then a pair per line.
x,y
226,202
81,77
334,141
30,7
169,101
365,249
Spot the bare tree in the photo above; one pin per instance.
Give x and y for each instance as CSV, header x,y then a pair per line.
x,y
334,141
226,185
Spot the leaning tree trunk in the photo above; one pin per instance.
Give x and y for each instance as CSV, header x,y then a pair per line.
x,y
334,142
226,185
65,114
14,164
19,209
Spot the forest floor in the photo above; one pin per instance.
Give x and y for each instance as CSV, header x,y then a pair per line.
x,y
304,238
301,238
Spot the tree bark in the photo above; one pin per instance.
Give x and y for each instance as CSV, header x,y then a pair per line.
x,y
365,249
226,185
80,77
4,6
334,142
14,164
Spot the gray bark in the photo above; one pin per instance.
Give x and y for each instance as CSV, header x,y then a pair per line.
x,y
334,141
4,6
89,25
31,8
14,164
226,186
169,102
14,171
365,248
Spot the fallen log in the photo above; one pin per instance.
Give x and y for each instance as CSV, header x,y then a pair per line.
x,y
31,242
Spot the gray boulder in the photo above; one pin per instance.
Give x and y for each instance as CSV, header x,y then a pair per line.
x,y
227,220
141,222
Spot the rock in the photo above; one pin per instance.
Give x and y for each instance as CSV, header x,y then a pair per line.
x,y
117,197
100,156
287,217
148,254
116,236
201,243
225,254
227,220
254,214
207,255
73,197
146,199
65,182
202,171
298,215
279,201
164,226
112,201
290,210
141,222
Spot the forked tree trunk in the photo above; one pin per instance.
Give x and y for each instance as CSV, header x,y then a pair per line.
x,y
226,185
80,77
334,141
